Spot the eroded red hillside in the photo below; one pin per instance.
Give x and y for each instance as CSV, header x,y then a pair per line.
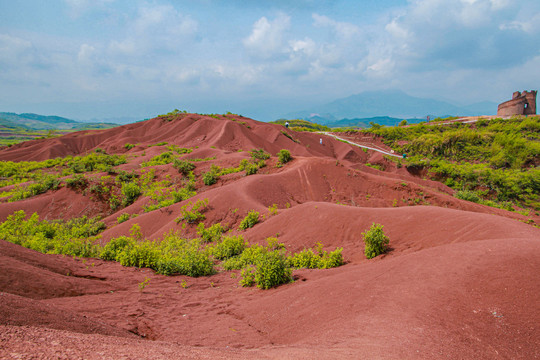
x,y
459,280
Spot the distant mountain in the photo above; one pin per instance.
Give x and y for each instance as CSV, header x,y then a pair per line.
x,y
391,103
365,122
116,120
42,122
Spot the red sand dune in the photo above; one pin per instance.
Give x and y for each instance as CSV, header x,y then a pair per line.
x,y
459,282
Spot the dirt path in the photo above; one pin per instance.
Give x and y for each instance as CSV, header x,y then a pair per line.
x,y
370,146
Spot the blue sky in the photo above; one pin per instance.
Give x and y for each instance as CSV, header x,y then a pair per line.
x,y
87,59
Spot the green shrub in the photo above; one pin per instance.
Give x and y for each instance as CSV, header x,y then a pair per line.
x,y
305,259
228,247
75,237
94,161
122,218
124,176
210,178
193,212
42,184
468,195
177,149
161,159
250,256
272,270
182,194
183,166
247,276
77,181
250,220
259,154
284,156
190,262
251,169
116,246
128,146
318,259
332,259
84,227
141,254
130,191
376,242
273,210
210,234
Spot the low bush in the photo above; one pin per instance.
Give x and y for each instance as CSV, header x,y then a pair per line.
x,y
251,169
41,185
247,276
179,150
259,154
375,240
78,181
272,270
75,237
211,177
317,259
228,247
210,234
192,213
122,218
161,159
172,255
250,220
124,176
130,191
183,166
284,156
468,195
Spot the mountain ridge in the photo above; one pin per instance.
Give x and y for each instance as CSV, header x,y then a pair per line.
x,y
389,103
47,122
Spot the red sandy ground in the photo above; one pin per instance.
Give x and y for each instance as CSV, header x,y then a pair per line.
x,y
459,282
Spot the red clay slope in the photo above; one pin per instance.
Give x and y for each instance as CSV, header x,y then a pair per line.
x,y
459,281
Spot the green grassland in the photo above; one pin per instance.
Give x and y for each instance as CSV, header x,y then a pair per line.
x,y
494,162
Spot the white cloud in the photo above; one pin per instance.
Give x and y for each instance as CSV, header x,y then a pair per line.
x,y
13,49
85,53
460,34
382,67
126,47
306,46
77,8
267,37
342,29
396,29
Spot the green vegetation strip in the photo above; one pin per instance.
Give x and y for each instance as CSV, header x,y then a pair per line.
x,y
266,266
492,162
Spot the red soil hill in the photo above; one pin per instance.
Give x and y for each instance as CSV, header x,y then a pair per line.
x,y
460,279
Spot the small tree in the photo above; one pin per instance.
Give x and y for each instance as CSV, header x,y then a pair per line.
x,y
375,240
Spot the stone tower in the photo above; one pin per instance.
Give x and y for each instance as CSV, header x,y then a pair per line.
x,y
521,104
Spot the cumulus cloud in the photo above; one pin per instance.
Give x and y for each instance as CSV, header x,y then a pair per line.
x,y
468,33
267,37
162,48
